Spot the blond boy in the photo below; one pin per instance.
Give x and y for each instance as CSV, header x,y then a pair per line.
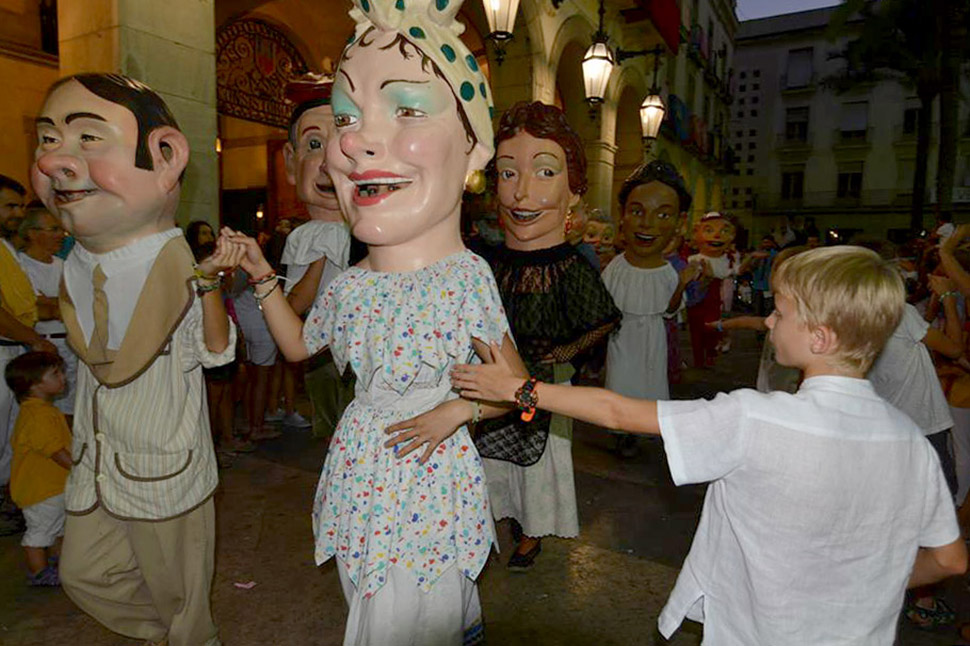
x,y
824,505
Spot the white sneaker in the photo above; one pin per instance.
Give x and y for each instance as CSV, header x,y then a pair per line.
x,y
278,416
296,420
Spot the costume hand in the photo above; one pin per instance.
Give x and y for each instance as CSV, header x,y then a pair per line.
x,y
431,429
252,261
691,272
492,381
941,284
43,345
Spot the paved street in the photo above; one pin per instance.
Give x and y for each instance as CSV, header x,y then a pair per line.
x,y
603,588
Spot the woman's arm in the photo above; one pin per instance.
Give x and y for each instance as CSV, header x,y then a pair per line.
x,y
285,326
302,295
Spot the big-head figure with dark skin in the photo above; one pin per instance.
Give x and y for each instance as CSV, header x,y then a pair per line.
x,y
139,537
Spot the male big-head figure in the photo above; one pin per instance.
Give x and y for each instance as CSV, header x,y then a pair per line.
x,y
109,160
139,537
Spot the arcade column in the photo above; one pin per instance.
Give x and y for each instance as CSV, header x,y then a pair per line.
x,y
170,45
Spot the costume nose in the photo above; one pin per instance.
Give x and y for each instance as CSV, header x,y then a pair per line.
x,y
59,166
522,187
359,146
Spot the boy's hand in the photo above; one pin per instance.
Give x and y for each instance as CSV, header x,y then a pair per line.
x,y
62,458
43,345
431,428
492,381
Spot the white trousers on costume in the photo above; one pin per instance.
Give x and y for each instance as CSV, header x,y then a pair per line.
x,y
8,413
961,450
401,614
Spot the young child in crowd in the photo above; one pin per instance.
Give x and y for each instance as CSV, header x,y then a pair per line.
x,y
824,505
41,459
646,288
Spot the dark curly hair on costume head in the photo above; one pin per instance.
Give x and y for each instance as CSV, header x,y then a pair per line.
x,y
547,122
656,171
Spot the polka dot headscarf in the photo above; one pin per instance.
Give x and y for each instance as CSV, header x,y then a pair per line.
x,y
432,27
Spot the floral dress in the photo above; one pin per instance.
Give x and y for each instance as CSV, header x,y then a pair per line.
x,y
402,333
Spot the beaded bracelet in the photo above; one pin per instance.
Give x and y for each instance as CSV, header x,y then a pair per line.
x,y
262,297
199,275
526,399
262,280
201,290
476,412
954,293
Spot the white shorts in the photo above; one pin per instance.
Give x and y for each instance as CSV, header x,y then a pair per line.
x,y
45,522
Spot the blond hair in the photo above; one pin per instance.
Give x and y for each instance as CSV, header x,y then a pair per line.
x,y
850,290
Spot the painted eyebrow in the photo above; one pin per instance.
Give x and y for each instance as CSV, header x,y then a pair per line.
x,y
353,88
45,120
83,115
389,81
308,129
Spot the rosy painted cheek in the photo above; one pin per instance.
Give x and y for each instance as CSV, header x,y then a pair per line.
x,y
422,145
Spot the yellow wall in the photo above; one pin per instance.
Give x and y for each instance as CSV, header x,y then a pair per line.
x,y
25,85
243,158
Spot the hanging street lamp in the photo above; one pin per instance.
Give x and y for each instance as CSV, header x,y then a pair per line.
x,y
501,21
598,63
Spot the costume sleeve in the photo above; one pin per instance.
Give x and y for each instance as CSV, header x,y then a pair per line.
x,y
44,432
318,327
193,335
482,308
939,518
703,439
913,327
591,312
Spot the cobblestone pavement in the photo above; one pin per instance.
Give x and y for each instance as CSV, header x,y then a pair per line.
x,y
604,588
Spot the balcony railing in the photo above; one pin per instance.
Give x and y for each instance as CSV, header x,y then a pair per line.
x,y
829,199
793,140
852,138
797,85
903,135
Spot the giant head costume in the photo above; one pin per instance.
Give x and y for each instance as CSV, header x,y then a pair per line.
x,y
305,152
109,160
541,168
713,235
413,119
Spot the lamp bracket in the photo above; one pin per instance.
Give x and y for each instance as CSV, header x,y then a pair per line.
x,y
624,54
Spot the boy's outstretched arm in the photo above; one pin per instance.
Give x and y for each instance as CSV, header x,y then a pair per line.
x,y
937,563
497,382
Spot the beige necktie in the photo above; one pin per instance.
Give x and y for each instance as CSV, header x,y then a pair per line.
x,y
98,347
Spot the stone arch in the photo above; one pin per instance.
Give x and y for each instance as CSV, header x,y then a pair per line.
x,y
574,32
626,133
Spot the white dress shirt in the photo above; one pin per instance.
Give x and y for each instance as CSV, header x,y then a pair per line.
x,y
125,269
817,504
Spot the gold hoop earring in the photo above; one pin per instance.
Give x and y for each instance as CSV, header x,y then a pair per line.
x,y
475,181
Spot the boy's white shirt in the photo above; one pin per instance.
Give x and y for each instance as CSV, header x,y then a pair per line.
x,y
817,504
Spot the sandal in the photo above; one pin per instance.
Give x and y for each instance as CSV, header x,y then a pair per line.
x,y
524,562
46,578
929,618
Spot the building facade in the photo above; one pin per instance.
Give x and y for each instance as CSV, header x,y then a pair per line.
x,y
843,160
222,66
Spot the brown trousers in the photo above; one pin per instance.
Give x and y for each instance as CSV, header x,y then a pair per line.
x,y
146,580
